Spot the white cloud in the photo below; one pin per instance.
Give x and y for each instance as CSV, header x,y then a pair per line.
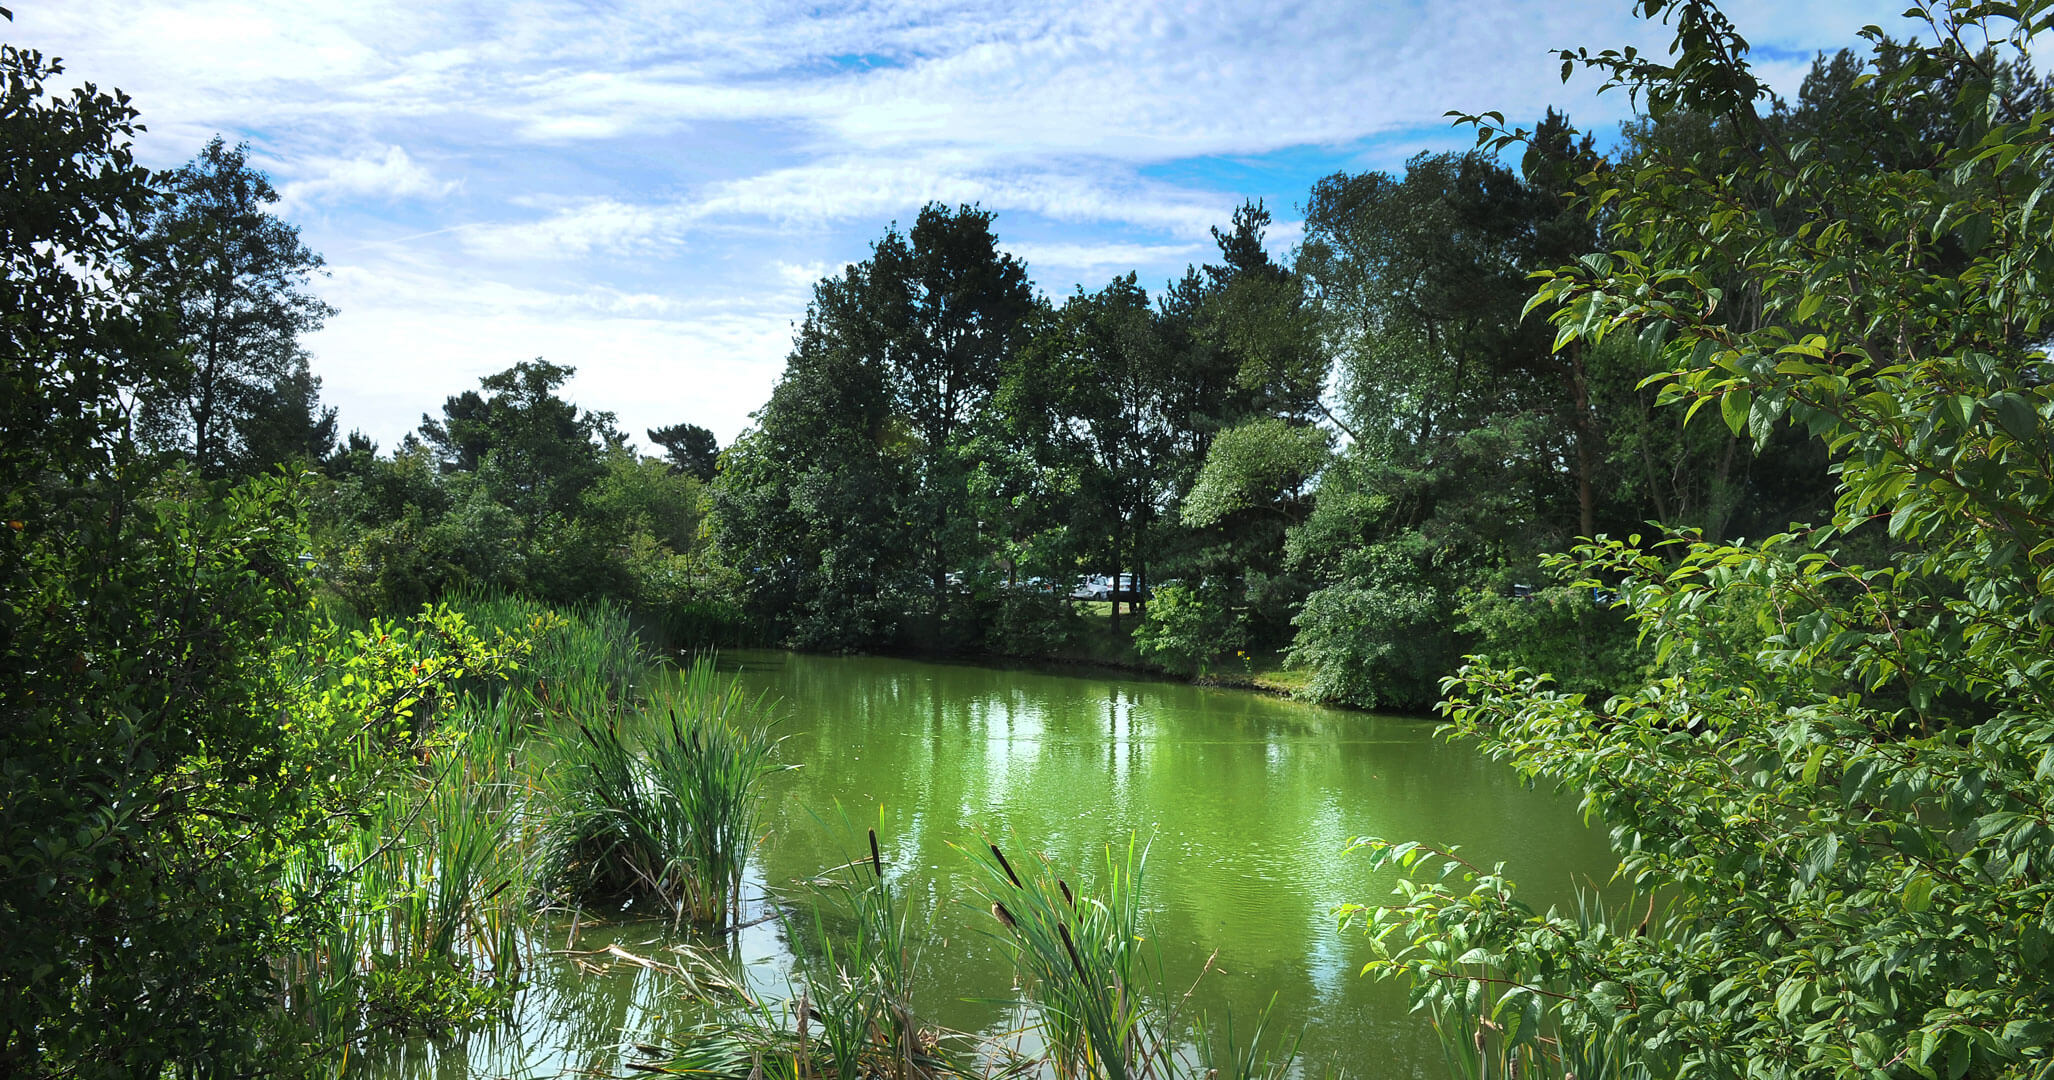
x,y
1103,260
384,174
418,332
647,189
802,275
848,189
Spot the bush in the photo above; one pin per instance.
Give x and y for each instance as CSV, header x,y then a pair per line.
x,y
1190,628
1378,635
1847,815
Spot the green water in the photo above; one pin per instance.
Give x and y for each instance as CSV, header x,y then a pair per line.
x,y
1245,802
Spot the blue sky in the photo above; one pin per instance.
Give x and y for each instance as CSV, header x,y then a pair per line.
x,y
646,191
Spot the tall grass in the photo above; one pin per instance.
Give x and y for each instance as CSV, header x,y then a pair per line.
x,y
590,652
429,882
849,1012
660,804
1083,955
859,988
1083,961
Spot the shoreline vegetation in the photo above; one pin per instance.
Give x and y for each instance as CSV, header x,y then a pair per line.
x,y
1709,477
584,773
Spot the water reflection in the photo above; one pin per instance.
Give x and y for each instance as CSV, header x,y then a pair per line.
x,y
1247,802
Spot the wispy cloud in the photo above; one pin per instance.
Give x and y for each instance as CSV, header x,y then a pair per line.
x,y
646,189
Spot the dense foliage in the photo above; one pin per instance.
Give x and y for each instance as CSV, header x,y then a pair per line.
x,y
265,796
1834,802
162,765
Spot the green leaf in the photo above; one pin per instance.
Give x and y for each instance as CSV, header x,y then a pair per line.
x,y
1820,855
2015,414
1918,894
1790,994
1734,406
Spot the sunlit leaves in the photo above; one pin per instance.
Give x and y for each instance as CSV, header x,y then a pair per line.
x,y
1843,789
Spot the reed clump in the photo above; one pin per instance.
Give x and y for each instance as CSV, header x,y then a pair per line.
x,y
657,804
425,893
849,1013
1085,961
577,657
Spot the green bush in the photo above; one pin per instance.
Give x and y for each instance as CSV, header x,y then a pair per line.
x,y
1190,628
1380,634
1577,634
1841,814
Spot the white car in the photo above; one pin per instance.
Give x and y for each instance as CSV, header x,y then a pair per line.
x,y
1100,587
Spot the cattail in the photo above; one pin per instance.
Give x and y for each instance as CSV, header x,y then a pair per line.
x,y
876,860
1067,898
1071,947
1007,867
1005,917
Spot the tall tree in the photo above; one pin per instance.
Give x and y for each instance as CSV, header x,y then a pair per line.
x,y
1839,786
234,279
1095,386
1248,356
149,793
949,308
813,503
535,451
690,448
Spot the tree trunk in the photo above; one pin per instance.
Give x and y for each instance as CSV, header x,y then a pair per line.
x,y
1114,591
1586,454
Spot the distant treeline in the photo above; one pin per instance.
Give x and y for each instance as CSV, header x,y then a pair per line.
x,y
1352,462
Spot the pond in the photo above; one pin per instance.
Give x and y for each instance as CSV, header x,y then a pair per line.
x,y
1245,803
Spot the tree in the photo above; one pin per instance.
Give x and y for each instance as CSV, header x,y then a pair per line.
x,y
1248,358
1092,387
814,504
1841,787
691,449
535,452
233,279
150,793
856,482
949,309
1465,463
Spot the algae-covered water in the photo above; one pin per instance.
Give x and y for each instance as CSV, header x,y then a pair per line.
x,y
1245,803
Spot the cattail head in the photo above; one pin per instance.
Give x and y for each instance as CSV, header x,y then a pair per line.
x,y
999,911
1006,866
876,860
1070,947
1067,898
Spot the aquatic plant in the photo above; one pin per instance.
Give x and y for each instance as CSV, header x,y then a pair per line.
x,y
582,651
660,805
1083,962
1087,967
424,894
849,1013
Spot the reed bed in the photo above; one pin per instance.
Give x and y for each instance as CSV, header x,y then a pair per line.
x,y
658,805
588,653
1095,991
430,873
849,1013
432,879
1085,961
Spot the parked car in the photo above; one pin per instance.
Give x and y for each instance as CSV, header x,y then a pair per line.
x,y
1101,587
